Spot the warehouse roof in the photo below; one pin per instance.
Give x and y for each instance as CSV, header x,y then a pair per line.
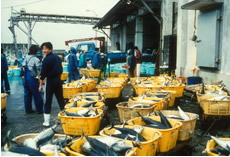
x,y
117,13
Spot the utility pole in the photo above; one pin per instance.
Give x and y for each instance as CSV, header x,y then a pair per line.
x,y
29,27
11,28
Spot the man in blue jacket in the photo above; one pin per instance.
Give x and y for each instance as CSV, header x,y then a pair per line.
x,y
73,65
4,76
96,59
51,70
131,62
83,62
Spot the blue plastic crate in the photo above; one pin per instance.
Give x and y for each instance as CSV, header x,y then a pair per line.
x,y
10,74
17,72
65,69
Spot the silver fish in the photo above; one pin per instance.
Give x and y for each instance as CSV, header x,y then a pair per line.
x,y
183,114
220,98
30,142
7,153
223,143
56,150
45,135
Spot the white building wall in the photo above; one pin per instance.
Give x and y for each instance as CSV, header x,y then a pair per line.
x,y
186,49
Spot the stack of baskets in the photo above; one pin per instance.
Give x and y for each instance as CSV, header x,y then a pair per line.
x,y
214,101
142,85
181,130
71,89
113,87
89,125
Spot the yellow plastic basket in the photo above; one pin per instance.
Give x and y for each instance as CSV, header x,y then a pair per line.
x,y
84,71
188,126
173,95
100,98
216,107
140,90
178,89
64,76
110,92
13,67
112,74
170,96
20,140
149,147
162,103
211,145
95,73
74,125
76,147
208,90
127,113
123,75
91,84
69,92
3,101
169,136
98,105
123,81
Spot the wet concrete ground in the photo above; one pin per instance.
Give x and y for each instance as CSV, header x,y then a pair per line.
x,y
21,123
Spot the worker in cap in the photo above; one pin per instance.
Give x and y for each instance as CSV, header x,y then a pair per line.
x,y
73,65
51,70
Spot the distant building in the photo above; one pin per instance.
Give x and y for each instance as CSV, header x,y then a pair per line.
x,y
193,42
9,50
130,25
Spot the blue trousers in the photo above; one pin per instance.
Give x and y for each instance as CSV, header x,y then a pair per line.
x,y
31,86
5,86
54,86
74,75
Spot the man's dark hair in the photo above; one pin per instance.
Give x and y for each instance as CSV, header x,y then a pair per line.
x,y
97,49
33,50
135,48
2,51
48,45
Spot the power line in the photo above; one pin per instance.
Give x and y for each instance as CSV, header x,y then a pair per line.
x,y
23,4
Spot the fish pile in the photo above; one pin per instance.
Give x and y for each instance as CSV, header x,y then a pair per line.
x,y
106,146
160,81
87,98
219,89
136,105
75,84
183,115
88,112
163,124
133,134
90,104
220,98
43,142
224,148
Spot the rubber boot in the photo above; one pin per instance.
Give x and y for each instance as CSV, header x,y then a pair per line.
x,y
46,120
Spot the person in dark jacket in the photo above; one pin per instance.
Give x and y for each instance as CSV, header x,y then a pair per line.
x,y
131,62
83,62
96,59
5,86
73,65
51,70
32,67
138,60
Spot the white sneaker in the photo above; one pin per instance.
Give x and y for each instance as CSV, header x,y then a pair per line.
x,y
46,120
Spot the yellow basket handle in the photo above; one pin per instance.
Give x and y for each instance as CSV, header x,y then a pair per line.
x,y
176,124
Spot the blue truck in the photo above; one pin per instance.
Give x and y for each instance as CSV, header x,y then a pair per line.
x,y
87,45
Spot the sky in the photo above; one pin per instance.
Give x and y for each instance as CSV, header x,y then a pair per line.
x,y
56,33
